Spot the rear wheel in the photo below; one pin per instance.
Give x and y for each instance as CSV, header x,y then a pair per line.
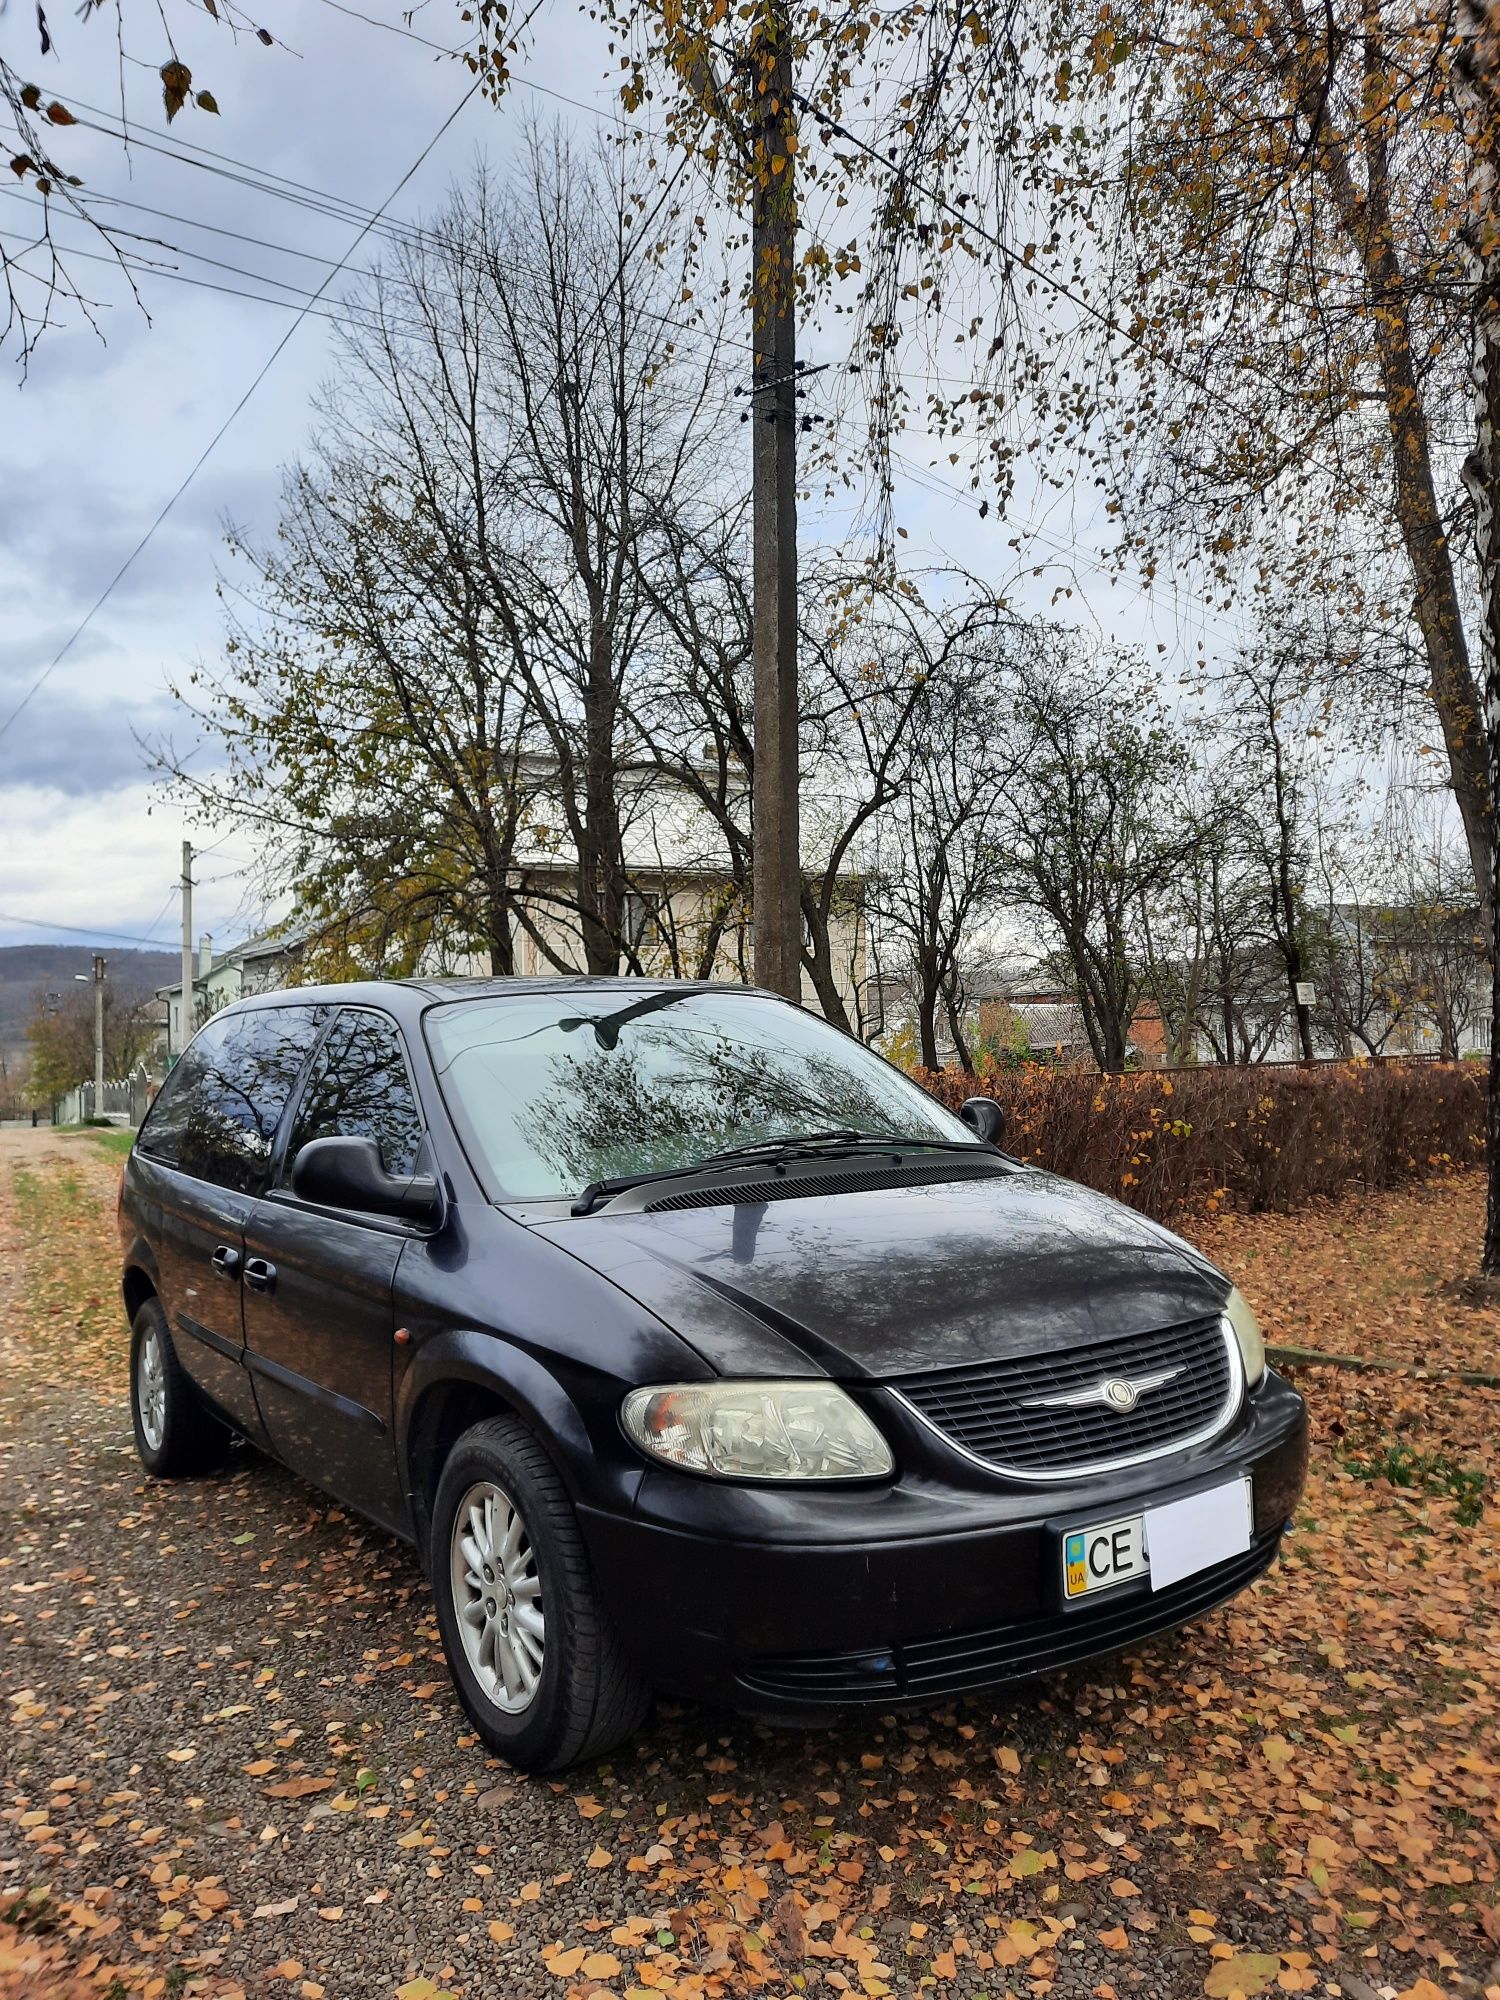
x,y
532,1654
175,1431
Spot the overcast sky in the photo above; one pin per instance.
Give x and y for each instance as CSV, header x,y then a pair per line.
x,y
102,432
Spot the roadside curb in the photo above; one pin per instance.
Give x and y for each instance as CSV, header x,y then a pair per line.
x,y
1312,1357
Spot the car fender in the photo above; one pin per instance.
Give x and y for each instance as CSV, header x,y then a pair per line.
x,y
500,1370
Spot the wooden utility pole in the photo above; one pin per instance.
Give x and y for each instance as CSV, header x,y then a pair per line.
x,y
98,1034
776,857
185,1030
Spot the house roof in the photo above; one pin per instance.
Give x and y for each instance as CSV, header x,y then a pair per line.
x,y
265,944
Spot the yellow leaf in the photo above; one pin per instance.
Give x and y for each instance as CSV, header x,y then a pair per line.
x,y
1248,1972
563,1964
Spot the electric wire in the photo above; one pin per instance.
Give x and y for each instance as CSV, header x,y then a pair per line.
x,y
78,930
208,449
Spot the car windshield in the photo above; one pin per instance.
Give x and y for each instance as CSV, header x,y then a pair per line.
x,y
553,1091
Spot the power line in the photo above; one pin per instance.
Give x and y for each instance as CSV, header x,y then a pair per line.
x,y
350,310
524,82
208,449
1038,271
76,930
345,316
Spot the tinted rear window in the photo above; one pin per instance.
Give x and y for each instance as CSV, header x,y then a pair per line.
x,y
217,1113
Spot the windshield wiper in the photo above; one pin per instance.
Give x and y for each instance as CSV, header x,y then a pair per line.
x,y
814,1143
809,1145
835,1135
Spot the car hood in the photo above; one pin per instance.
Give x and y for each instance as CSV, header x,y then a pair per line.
x,y
899,1281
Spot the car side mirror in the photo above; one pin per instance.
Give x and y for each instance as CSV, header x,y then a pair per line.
x,y
346,1172
985,1118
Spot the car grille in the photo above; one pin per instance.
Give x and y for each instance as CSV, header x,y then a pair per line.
x,y
990,1411
931,1668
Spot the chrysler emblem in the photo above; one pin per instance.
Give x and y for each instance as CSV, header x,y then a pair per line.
x,y
1115,1392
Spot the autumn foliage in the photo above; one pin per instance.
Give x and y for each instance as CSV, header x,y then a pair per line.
x,y
1251,1139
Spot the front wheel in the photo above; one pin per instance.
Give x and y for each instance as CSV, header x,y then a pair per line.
x,y
531,1650
175,1431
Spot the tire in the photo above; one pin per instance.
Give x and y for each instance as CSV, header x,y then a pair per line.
x,y
176,1434
541,1672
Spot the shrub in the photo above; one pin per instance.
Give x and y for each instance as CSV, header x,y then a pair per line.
x,y
1169,1140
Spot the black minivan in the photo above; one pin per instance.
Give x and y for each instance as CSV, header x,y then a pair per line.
x,y
693,1345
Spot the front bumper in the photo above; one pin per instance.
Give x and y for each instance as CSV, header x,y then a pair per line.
x,y
798,1600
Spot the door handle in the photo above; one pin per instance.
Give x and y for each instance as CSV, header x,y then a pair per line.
x,y
260,1276
226,1261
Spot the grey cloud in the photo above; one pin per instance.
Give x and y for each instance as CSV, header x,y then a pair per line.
x,y
81,746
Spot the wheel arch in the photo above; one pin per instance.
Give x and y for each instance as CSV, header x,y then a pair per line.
x,y
138,1283
460,1379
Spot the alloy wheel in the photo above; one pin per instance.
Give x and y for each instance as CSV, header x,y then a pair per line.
x,y
151,1389
497,1594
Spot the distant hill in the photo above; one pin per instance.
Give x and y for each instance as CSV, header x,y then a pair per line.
x,y
29,969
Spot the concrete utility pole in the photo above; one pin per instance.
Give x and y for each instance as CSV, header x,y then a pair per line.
x,y
777,861
98,1034
185,1034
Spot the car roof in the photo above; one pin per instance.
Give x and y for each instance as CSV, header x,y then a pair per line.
x,y
409,997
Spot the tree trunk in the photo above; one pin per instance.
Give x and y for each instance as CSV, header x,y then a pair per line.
x,y
1365,216
1477,80
1437,608
956,1029
818,958
927,1027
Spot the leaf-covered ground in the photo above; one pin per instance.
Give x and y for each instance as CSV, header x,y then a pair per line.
x,y
232,1762
1378,1276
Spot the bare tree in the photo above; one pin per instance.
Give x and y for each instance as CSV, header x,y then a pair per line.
x,y
940,866
1279,725
434,686
1090,819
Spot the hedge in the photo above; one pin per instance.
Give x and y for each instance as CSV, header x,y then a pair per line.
x,y
1166,1141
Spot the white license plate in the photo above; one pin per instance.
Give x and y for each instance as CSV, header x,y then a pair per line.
x,y
1166,1543
1096,1558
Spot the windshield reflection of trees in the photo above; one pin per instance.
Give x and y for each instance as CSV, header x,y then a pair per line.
x,y
666,1096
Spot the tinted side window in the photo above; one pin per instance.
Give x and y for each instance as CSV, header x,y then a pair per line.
x,y
217,1113
358,1088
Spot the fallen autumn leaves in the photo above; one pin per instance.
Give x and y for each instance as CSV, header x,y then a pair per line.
x,y
234,1765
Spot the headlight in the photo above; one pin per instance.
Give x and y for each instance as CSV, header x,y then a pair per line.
x,y
1247,1332
758,1430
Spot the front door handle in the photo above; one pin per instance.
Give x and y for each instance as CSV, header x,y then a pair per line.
x,y
226,1261
260,1276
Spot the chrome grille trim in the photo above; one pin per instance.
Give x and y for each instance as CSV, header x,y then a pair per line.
x,y
1056,1475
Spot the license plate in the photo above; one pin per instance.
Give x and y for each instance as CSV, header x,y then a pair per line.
x,y
1097,1558
1166,1543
